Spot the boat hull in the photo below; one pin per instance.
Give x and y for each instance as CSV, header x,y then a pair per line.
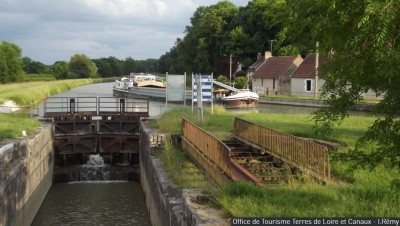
x,y
240,103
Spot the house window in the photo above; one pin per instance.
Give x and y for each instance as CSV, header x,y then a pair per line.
x,y
308,85
273,84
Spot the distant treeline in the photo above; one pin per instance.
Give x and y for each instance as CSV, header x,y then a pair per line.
x,y
14,68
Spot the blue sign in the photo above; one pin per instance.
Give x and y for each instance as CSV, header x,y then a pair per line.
x,y
206,87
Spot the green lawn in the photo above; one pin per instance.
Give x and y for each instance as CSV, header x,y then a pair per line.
x,y
366,193
27,93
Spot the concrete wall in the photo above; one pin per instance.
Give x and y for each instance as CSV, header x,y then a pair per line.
x,y
26,170
167,204
264,86
298,87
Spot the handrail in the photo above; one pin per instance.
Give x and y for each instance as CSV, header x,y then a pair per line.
x,y
216,151
94,105
294,150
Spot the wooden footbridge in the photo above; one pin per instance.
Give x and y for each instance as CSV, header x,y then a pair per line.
x,y
95,125
255,153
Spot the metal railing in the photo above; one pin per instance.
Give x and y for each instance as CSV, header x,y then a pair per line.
x,y
70,105
301,153
122,105
94,106
216,151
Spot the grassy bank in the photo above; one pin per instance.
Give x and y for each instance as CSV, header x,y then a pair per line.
x,y
12,124
27,93
181,170
368,193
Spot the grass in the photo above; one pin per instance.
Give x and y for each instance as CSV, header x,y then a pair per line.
x,y
27,93
370,100
183,172
368,193
12,124
367,198
39,77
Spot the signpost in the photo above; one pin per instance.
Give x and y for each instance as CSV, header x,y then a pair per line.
x,y
202,91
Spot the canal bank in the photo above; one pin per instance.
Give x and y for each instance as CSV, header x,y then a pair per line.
x,y
310,103
167,204
26,172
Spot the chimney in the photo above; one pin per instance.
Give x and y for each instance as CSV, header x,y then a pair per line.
x,y
267,55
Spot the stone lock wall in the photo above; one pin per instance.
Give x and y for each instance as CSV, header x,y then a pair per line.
x,y
26,171
167,204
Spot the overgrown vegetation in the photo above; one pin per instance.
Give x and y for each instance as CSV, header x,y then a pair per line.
x,y
28,93
181,170
12,125
366,193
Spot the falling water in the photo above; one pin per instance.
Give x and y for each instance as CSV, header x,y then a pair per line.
x,y
95,170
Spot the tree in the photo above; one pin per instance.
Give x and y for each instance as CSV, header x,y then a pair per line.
x,y
60,70
128,66
103,67
362,41
34,67
80,66
201,59
10,63
240,82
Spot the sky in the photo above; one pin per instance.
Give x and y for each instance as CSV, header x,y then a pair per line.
x,y
51,30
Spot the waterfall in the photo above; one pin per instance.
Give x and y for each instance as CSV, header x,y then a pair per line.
x,y
95,161
96,171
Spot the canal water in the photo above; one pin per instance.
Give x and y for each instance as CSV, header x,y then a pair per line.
x,y
105,203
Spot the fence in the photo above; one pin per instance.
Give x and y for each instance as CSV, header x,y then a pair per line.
x,y
211,147
299,152
95,106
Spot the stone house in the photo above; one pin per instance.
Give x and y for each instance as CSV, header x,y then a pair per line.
x,y
303,80
272,77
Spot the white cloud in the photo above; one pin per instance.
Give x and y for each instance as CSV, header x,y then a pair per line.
x,y
49,30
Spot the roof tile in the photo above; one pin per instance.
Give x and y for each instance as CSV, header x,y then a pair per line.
x,y
274,67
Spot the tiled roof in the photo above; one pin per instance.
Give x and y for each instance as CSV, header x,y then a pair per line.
x,y
274,67
257,64
307,68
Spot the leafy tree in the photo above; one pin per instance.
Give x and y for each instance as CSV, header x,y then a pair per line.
x,y
128,66
223,79
34,67
362,39
60,70
10,63
240,82
201,60
80,66
103,67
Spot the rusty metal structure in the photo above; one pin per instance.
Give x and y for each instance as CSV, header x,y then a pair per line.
x,y
303,154
255,153
83,126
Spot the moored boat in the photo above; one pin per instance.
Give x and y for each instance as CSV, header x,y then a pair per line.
x,y
138,80
241,98
144,80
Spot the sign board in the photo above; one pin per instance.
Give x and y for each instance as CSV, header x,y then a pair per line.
x,y
206,87
203,88
176,88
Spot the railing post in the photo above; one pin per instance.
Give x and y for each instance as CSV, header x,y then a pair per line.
x,y
72,105
122,106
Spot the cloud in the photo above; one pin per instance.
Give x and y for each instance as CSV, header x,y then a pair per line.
x,y
49,30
